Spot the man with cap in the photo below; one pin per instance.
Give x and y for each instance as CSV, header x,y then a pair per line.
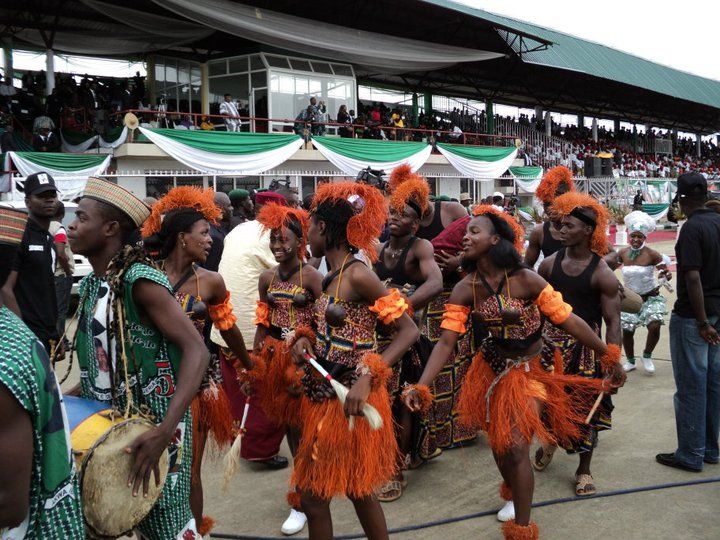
x,y
242,207
694,327
39,486
498,199
162,357
219,231
30,289
466,200
246,255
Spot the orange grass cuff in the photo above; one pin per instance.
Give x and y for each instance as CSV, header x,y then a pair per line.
x,y
611,357
551,305
390,307
222,314
262,314
306,332
424,395
454,318
379,370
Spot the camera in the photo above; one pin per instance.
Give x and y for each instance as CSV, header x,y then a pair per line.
x,y
372,177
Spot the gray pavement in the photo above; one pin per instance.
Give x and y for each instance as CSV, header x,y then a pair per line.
x,y
465,481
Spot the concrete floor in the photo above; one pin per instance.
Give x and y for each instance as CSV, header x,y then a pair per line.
x,y
465,481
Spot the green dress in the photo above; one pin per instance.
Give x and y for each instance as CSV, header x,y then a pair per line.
x,y
152,386
25,371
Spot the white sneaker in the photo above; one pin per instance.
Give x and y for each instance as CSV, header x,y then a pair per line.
x,y
648,365
507,512
627,366
294,523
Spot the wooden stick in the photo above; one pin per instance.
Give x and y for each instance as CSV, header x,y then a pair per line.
x,y
594,407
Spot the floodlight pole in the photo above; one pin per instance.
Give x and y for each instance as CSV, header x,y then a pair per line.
x,y
49,71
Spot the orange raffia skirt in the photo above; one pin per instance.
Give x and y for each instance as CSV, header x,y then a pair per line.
x,y
212,415
281,385
334,461
513,402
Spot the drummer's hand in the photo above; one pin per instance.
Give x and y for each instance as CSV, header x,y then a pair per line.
x,y
412,400
147,449
357,396
301,347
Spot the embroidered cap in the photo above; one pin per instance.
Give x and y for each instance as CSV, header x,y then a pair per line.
x,y
12,225
120,198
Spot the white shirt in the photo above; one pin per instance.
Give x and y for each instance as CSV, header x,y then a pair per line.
x,y
245,256
229,108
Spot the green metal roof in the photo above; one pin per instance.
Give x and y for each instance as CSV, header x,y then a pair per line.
x,y
583,56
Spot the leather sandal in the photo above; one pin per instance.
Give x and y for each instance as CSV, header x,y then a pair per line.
x,y
391,491
584,485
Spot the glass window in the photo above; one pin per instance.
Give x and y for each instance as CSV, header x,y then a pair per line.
x,y
160,73
171,75
315,86
217,67
300,65
256,62
237,85
301,85
321,67
276,61
238,65
340,69
338,90
258,79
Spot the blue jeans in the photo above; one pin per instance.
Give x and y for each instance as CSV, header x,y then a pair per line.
x,y
696,367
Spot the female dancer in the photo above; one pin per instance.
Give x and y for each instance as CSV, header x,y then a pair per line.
x,y
287,297
179,232
332,459
638,269
515,384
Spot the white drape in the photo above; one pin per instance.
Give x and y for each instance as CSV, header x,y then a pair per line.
x,y
352,167
102,143
307,36
484,170
214,163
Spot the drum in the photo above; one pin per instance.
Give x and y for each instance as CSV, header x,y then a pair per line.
x,y
98,444
630,301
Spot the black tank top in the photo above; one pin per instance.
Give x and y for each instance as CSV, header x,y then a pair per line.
x,y
396,274
577,290
549,244
435,228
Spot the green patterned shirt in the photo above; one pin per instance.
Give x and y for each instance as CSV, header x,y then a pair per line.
x,y
152,385
54,495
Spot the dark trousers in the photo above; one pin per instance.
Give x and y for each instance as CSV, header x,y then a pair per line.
x,y
63,289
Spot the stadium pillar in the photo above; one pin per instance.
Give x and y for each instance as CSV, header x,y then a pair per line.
x,y
616,127
581,120
7,46
594,130
150,78
204,88
538,112
698,145
49,71
428,103
490,115
548,123
415,109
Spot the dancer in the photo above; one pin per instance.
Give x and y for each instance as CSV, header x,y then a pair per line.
x,y
638,268
580,274
405,262
38,482
178,229
516,381
332,459
287,296
125,296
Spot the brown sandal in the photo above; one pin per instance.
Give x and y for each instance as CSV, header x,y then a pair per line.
x,y
584,485
391,491
543,457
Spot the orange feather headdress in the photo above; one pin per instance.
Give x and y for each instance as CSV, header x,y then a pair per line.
x,y
550,182
182,197
364,228
274,216
413,191
517,229
564,205
399,175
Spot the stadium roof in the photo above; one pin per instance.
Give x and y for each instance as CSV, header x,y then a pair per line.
x,y
535,65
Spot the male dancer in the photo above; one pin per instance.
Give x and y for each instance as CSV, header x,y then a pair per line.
x,y
439,215
588,284
162,356
39,495
406,262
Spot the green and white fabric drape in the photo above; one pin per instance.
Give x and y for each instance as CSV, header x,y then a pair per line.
x,y
528,178
353,155
479,162
222,152
80,142
656,211
70,171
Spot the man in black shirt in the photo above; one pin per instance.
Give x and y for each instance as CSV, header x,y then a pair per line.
x,y
694,326
30,289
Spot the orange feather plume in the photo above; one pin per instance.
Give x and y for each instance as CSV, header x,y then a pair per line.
x,y
364,228
564,204
274,216
550,182
517,229
416,189
182,197
400,175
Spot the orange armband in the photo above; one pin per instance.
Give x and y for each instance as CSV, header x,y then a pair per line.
x,y
262,314
610,358
222,314
551,305
390,307
454,318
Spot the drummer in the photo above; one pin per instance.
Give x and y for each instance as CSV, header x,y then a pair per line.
x,y
39,495
124,288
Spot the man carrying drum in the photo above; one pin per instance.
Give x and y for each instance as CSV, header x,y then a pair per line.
x,y
138,351
39,497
